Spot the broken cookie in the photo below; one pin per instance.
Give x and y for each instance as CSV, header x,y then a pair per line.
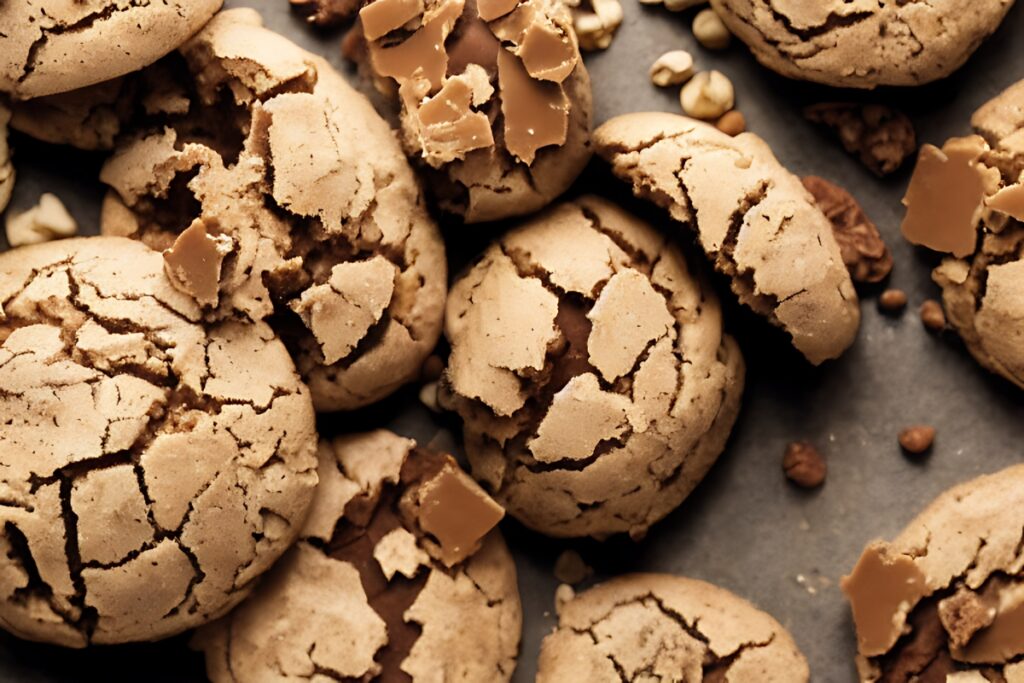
x,y
882,137
399,575
44,46
309,212
590,369
153,466
752,217
494,99
6,167
658,627
862,43
946,597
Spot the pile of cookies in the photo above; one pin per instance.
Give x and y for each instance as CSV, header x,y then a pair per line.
x,y
270,257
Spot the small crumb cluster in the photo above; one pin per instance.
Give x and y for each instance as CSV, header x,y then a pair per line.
x,y
48,220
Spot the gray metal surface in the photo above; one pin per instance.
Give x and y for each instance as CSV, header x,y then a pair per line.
x,y
745,528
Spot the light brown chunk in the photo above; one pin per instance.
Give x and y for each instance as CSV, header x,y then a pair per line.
x,y
383,16
457,512
1003,640
536,114
193,264
1009,200
965,613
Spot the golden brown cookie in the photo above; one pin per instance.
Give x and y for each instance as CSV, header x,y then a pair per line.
x,y
752,217
60,45
151,466
400,575
658,627
944,601
590,370
862,43
6,167
494,99
300,194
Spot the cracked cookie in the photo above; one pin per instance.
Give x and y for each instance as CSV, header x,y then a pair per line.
x,y
753,218
494,99
152,466
862,43
299,192
589,367
6,167
400,575
658,627
944,601
44,46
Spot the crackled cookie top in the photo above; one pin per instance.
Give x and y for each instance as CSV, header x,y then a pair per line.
x,y
657,627
59,45
753,218
495,100
400,575
151,467
591,372
944,601
277,192
6,167
862,43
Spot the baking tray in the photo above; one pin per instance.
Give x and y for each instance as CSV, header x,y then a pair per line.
x,y
745,528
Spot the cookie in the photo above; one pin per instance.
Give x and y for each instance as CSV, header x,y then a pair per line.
x,y
400,575
6,167
268,161
88,118
862,43
61,45
152,466
944,601
494,99
658,627
982,225
752,217
590,370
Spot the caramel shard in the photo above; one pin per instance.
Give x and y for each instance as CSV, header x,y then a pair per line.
x,y
536,113
1004,639
1009,200
384,16
397,552
490,10
446,126
547,53
423,53
882,589
965,613
457,512
946,195
193,264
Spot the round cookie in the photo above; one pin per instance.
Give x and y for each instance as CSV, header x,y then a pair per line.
x,y
658,627
300,197
494,99
6,167
944,601
152,466
862,43
590,370
61,45
399,575
753,218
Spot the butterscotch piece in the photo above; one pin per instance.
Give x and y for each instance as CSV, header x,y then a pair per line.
x,y
947,595
153,466
6,167
862,43
60,45
641,627
375,589
752,217
301,209
882,137
590,370
494,99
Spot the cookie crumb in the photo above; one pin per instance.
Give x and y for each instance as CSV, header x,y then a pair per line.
x,y
917,439
882,137
428,396
932,316
892,301
571,569
48,220
804,465
564,594
732,123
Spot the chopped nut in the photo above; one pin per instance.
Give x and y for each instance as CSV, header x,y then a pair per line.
x,y
932,316
732,123
917,439
881,136
49,220
672,68
892,300
710,31
682,5
595,23
571,569
804,465
708,95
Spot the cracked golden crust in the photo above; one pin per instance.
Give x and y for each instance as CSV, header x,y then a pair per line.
x,y
320,199
6,167
862,43
753,218
642,627
590,370
110,382
45,45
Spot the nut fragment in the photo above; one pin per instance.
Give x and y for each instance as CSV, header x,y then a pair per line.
x,y
708,95
49,220
892,300
917,439
672,68
732,123
710,31
595,22
804,465
882,137
932,316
